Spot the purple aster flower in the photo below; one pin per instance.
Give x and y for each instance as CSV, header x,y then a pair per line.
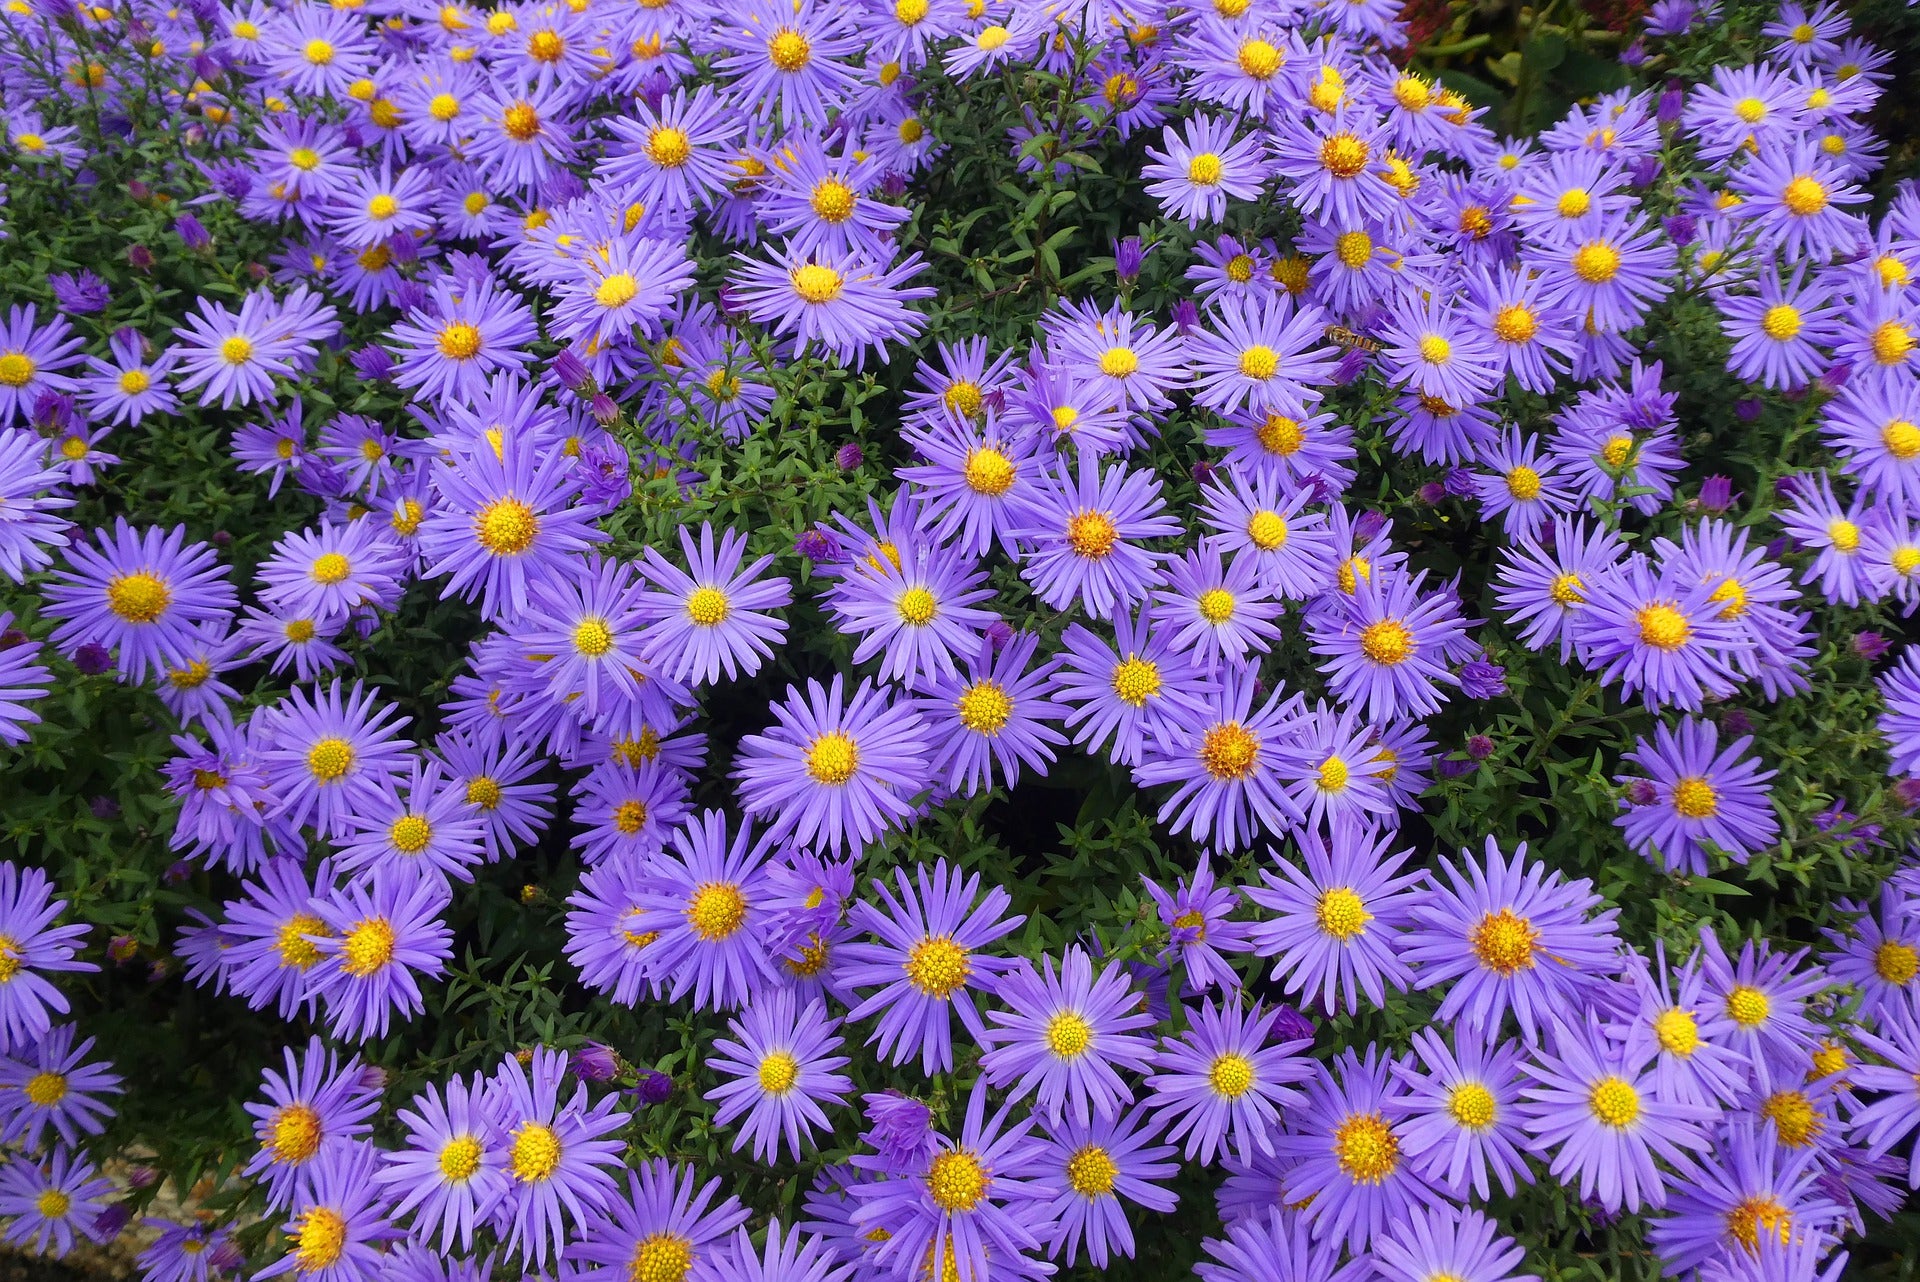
x,y
1217,615
1748,1189
916,615
1880,955
327,757
46,1204
1196,914
449,1172
381,935
785,63
977,1195
1892,1109
627,812
53,1087
836,771
463,333
1121,358
180,1252
143,592
705,901
1256,516
326,574
1459,1120
794,1258
1096,1168
849,302
1764,993
1202,167
1125,689
899,1129
1350,1166
1436,1242
1225,760
1274,1246
995,714
29,495
1660,633
1063,1036
317,1110
1611,273
339,1226
1222,1083
23,680
1509,935
1337,928
1792,193
272,925
31,947
556,1160
1386,645
1661,1015
1329,163
1593,1114
80,293
1702,795
976,481
928,963
32,356
779,1068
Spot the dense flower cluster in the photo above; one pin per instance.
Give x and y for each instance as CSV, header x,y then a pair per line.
x,y
591,238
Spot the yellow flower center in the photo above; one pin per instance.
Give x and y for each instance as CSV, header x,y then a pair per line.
x,y
329,759
985,707
1523,483
1793,1117
833,200
630,816
716,911
139,597
992,36
292,944
1471,1106
1435,350
1204,170
778,1072
1574,202
911,12
1281,436
44,1090
937,966
1387,642
1504,942
1412,93
832,758
1340,912
1354,249
1515,323
1259,362
1831,1058
459,341
708,607
1334,775
1663,627
1258,59
506,527
661,1257
789,51
53,1204
318,52
617,290
1118,362
134,382
1136,680
1892,341
1565,590
1902,440
1804,196
1267,529
520,122
1092,534
330,568
1751,111
546,46
295,1135
1366,1148
1780,322
1614,1102
817,283
1239,268
319,1237
1230,1075
1091,1171
989,471
1069,1034
916,607
1759,1214
410,834
236,350
368,947
1344,155
1895,962
1748,1006
1215,606
592,637
1677,1031
535,1155
1229,751
1905,560
1695,798
459,1159
443,107
956,1181
16,369
1596,262
305,159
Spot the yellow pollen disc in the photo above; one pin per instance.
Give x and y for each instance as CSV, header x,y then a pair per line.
x,y
833,200
989,472
1901,440
937,966
1523,483
546,46
1069,1034
1215,605
367,948
1780,322
1412,93
295,1135
1831,1058
1895,962
1596,262
1794,1117
329,759
459,341
778,1072
135,381
1504,942
520,122
1344,155
1892,342
1804,196
1267,529
985,707
832,758
630,816
956,1181
1258,59
138,598
410,834
319,1239
1472,1106
1366,1148
708,607
1092,534
330,568
789,51
1341,913
506,527
911,12
617,290
1515,323
1748,1006
1229,751
1614,1102
44,1090
1694,798
1204,170
1259,362
1477,221
535,1155
1351,571
1574,202
1435,350
916,607
964,397
1118,362
1136,680
1230,1075
1280,435
991,37
292,944
1677,1031
1755,1215
318,52
1905,560
1750,110
661,1257
592,637
53,1204
668,147
1091,1171
716,911
1663,627
236,350
443,107
476,203
382,207
1387,642
1354,249
1618,451
816,283
459,1159
17,369
1333,776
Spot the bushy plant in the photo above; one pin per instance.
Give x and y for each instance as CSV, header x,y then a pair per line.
x,y
960,640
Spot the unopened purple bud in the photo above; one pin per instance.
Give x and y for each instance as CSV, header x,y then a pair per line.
x,y
1289,1025
122,949
893,184
410,295
158,970
1788,487
226,1257
140,258
136,189
1452,768
1367,527
1673,101
652,1086
1778,548
1736,722
52,412
13,637
1482,679
221,538
999,632
1682,229
849,457
1641,792
1645,170
93,659
1352,364
818,545
405,249
604,411
1871,646
104,808
1186,317
1480,747
192,232
1634,55
373,363
1907,792
1716,494
234,181
177,871
1837,376
595,1063
142,1177
373,1078
572,372
1204,470
1747,409
1459,482
1431,493
1127,257
112,1218
207,67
